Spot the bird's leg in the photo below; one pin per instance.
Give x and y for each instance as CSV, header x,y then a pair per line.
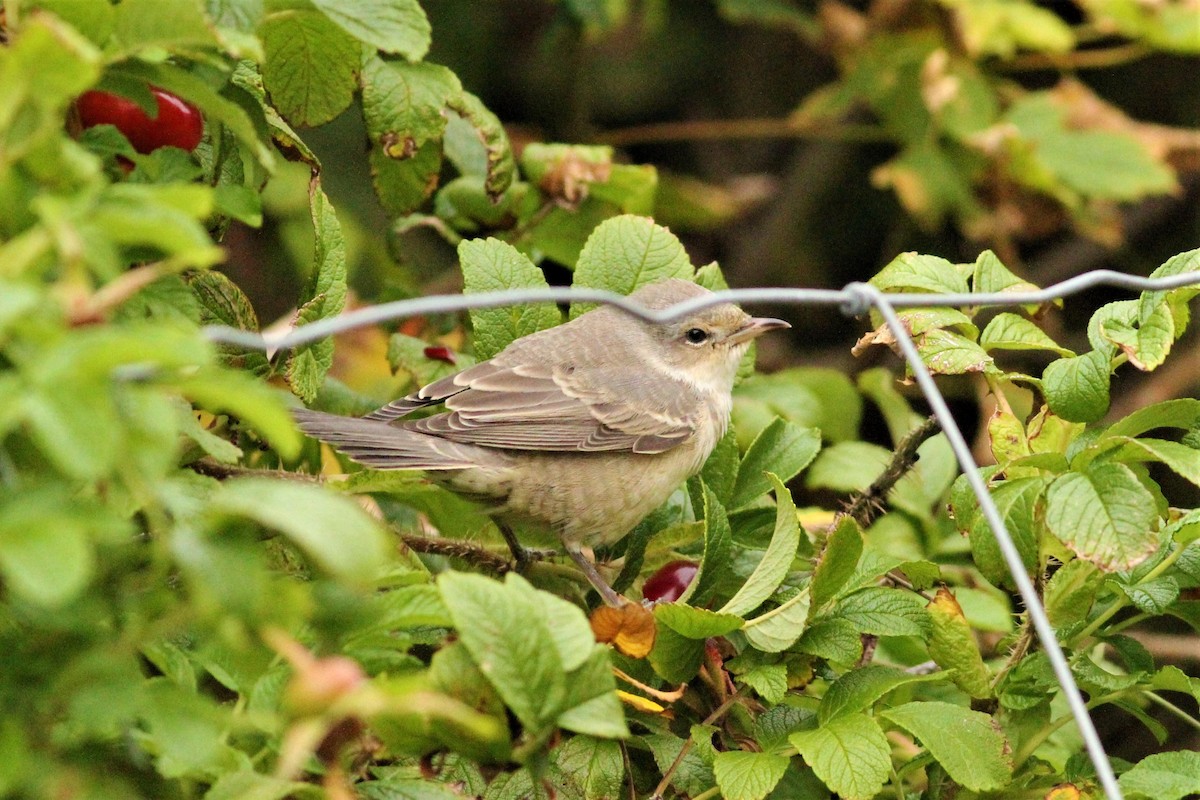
x,y
520,554
609,596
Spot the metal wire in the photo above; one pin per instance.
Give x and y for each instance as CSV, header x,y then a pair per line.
x,y
854,300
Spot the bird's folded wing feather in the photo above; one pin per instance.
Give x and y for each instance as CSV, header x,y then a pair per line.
x,y
533,407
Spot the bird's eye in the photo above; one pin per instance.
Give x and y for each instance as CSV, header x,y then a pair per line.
x,y
696,335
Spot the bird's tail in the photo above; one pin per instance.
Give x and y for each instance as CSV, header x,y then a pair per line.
x,y
383,446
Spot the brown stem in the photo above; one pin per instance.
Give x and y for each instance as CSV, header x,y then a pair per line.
x,y
1096,58
866,505
216,469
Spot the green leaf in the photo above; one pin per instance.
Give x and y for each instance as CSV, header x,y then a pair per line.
x,y
393,26
1009,331
692,776
813,397
1105,515
718,540
784,449
251,400
595,765
919,273
331,529
1182,413
1154,596
837,562
591,706
1071,591
142,24
1002,27
675,657
499,167
1147,342
885,612
948,353
849,754
778,629
311,66
625,253
968,744
695,623
744,775
832,638
1017,502
1077,388
720,469
491,265
1163,776
502,628
46,556
848,466
769,680
860,689
324,297
776,562
1053,156
246,784
1181,459
990,275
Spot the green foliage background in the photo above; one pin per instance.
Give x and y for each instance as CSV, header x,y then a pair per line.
x,y
176,585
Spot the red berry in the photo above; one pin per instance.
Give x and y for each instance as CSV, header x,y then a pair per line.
x,y
439,353
178,123
669,583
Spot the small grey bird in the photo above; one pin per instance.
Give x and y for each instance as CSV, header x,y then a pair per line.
x,y
582,429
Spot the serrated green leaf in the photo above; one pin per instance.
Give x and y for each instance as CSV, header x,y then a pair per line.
x,y
595,765
1017,502
332,530
860,689
499,166
849,754
990,275
1153,597
1105,515
783,448
778,629
968,744
323,297
884,612
695,623
492,265
920,273
675,657
1077,388
1146,343
1181,459
720,469
393,26
510,643
809,396
718,540
1071,591
142,24
837,561
1163,776
625,253
948,353
591,706
692,776
1009,331
769,680
1181,413
311,66
776,562
745,775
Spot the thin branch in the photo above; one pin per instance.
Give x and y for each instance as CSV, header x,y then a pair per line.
x,y
1096,58
866,505
721,129
687,745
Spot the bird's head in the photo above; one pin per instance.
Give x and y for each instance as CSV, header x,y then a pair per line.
x,y
706,346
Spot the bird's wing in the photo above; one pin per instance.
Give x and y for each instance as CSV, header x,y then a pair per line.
x,y
523,406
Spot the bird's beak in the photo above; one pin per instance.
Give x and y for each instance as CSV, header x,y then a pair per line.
x,y
756,327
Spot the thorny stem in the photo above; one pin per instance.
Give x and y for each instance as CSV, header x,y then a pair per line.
x,y
1019,649
709,720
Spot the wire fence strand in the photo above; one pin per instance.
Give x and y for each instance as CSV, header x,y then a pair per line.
x,y
855,299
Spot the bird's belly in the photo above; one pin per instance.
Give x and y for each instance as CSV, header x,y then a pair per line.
x,y
596,498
